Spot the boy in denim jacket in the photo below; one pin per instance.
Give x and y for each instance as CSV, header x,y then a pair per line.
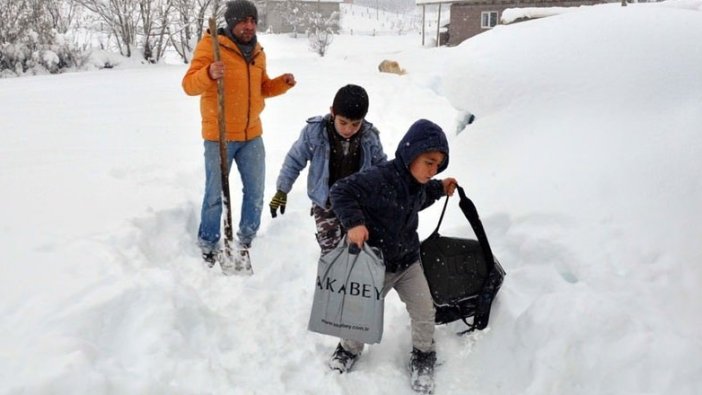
x,y
335,145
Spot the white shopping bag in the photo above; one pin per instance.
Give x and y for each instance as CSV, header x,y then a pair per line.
x,y
348,297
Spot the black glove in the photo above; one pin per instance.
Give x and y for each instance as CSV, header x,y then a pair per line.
x,y
279,200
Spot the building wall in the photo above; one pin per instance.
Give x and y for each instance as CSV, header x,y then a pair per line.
x,y
273,20
465,16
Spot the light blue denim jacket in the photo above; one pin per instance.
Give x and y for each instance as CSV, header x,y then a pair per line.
x,y
313,146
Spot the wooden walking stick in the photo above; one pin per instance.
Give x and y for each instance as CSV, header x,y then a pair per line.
x,y
228,233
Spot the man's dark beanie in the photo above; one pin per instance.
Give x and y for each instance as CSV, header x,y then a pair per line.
x,y
239,10
351,101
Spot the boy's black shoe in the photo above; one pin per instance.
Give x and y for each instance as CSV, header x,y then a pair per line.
x,y
210,258
342,360
421,366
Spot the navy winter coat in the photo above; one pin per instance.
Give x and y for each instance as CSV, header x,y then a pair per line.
x,y
387,198
313,146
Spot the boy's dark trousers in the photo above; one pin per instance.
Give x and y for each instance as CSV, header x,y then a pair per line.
x,y
329,231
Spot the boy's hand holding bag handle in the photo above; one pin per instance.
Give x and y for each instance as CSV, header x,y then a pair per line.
x,y
463,274
348,297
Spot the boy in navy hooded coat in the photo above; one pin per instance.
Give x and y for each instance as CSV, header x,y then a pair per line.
x,y
380,206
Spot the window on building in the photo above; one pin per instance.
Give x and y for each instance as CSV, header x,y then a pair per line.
x,y
488,19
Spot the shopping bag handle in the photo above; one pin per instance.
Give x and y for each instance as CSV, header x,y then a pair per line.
x,y
354,249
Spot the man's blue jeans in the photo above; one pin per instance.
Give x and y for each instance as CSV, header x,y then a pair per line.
x,y
250,158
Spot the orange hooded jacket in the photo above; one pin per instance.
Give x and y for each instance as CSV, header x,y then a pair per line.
x,y
245,88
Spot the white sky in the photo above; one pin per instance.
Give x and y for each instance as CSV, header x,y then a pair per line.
x,y
583,163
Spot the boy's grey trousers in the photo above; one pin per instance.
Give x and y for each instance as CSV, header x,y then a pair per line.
x,y
412,287
410,284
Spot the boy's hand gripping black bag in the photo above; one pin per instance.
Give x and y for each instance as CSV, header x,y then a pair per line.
x,y
463,275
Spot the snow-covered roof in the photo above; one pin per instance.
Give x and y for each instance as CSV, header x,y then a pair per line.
x,y
310,1
426,2
511,14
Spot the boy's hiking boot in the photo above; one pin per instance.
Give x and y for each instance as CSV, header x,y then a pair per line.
x,y
342,360
421,366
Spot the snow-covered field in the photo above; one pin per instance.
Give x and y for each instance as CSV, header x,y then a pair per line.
x,y
583,162
357,19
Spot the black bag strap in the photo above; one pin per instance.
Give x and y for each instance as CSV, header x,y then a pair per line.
x,y
441,218
468,208
471,213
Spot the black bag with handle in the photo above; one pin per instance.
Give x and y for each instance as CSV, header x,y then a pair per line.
x,y
463,275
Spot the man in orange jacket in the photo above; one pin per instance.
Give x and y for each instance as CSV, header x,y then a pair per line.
x,y
246,85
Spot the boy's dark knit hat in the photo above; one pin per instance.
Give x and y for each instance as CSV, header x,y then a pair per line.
x,y
239,10
422,136
351,101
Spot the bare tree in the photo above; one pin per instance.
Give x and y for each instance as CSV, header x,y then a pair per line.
x,y
154,16
121,19
317,22
152,25
322,31
187,25
320,41
62,14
